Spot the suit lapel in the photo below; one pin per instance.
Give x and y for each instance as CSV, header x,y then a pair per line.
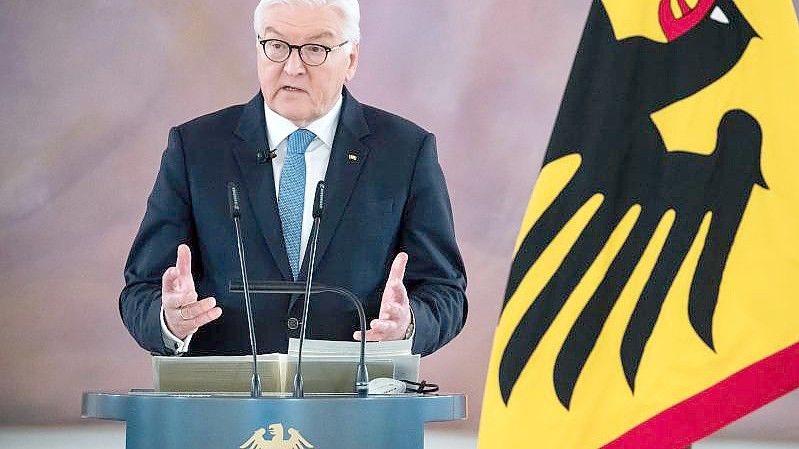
x,y
342,170
258,180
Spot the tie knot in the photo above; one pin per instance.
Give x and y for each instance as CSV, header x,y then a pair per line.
x,y
299,141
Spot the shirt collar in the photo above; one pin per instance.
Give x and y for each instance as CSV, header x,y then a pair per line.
x,y
279,127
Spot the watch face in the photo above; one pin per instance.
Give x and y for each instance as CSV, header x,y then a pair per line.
x,y
409,332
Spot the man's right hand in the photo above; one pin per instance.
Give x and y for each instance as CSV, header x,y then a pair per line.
x,y
183,313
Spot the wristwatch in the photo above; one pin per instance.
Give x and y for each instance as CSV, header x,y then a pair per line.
x,y
411,327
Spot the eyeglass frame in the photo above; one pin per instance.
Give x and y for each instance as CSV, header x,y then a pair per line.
x,y
299,50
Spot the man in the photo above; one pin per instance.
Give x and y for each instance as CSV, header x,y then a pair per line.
x,y
386,232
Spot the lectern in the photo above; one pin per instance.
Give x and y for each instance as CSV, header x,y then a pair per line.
x,y
197,421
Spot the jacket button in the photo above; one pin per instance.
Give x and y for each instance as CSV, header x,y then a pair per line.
x,y
293,323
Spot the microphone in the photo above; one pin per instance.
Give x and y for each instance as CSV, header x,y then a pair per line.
x,y
264,156
318,201
234,203
318,206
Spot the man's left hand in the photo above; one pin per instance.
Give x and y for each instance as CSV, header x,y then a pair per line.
x,y
395,307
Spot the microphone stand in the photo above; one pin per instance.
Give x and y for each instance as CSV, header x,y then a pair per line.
x,y
291,287
235,211
299,390
362,375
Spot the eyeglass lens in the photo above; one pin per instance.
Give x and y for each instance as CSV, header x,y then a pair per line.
x,y
279,51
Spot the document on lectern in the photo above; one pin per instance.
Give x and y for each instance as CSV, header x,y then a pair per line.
x,y
398,353
328,367
215,374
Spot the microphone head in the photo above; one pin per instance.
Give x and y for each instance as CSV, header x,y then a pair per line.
x,y
319,200
234,202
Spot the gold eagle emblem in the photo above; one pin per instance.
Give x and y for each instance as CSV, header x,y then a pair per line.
x,y
278,440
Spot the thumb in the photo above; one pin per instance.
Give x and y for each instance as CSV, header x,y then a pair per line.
x,y
397,272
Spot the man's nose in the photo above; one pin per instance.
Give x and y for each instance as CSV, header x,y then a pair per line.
x,y
294,65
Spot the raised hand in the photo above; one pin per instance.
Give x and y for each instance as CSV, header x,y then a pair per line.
x,y
395,308
183,313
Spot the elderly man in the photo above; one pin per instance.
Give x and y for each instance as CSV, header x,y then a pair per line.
x,y
386,232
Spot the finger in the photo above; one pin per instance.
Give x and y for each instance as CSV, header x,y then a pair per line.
x,y
197,308
169,278
204,319
378,334
383,326
183,263
375,333
371,335
397,272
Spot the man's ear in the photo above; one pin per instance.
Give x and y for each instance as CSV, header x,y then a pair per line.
x,y
353,63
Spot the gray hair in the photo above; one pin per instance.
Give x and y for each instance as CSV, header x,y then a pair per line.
x,y
350,10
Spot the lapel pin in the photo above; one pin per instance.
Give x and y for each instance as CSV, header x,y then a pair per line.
x,y
352,155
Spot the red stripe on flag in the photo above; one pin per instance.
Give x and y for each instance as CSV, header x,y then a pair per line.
x,y
719,405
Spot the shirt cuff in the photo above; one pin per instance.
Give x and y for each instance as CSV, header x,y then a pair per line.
x,y
173,343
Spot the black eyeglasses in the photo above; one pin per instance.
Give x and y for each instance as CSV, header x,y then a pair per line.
x,y
311,54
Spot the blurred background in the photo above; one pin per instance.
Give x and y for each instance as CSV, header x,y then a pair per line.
x,y
89,91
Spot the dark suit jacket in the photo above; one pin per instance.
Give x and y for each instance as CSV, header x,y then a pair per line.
x,y
393,198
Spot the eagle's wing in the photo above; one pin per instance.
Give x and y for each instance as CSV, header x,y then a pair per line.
x,y
297,441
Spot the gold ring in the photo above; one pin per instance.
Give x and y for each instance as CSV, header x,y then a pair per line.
x,y
180,312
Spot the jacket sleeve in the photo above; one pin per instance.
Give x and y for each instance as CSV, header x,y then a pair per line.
x,y
435,276
167,223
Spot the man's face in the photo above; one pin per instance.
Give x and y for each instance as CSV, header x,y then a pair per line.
x,y
293,89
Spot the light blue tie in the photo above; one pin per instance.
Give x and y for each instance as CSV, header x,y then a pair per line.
x,y
291,197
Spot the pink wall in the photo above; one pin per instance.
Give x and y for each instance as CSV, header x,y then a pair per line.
x,y
90,89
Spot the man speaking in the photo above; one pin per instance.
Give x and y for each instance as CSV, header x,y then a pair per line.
x,y
386,232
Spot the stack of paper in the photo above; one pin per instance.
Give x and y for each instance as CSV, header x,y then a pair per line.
x,y
397,353
328,367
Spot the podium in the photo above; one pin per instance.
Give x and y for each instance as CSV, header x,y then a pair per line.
x,y
197,421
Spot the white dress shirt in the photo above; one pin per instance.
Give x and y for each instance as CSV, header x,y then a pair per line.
x,y
317,157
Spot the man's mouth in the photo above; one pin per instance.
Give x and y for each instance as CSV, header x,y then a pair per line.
x,y
291,89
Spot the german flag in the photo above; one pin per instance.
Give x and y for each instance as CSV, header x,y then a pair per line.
x,y
654,293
